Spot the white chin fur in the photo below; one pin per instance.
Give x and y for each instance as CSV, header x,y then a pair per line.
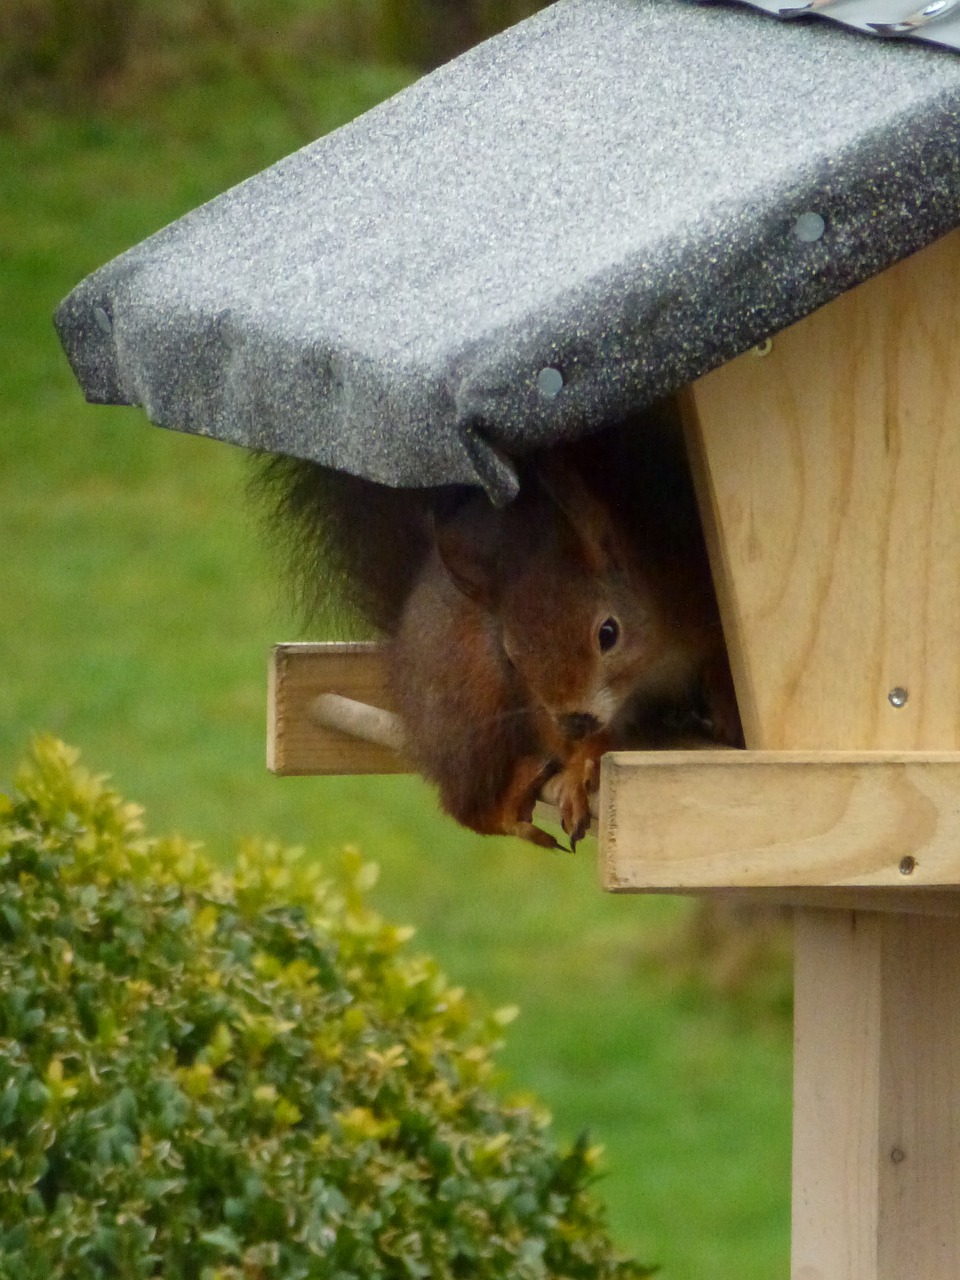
x,y
603,705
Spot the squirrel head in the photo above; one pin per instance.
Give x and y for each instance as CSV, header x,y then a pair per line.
x,y
577,616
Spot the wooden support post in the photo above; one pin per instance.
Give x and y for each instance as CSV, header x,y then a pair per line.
x,y
829,474
876,1135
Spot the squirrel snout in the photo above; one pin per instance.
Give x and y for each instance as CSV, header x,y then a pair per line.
x,y
578,724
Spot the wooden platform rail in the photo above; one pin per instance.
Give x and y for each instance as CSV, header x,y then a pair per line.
x,y
749,819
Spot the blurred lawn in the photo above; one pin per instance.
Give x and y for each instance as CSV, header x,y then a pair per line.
x,y
137,607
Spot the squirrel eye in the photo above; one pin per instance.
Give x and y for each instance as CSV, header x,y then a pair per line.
x,y
608,633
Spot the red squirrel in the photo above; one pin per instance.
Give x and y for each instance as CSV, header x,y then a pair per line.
x,y
526,640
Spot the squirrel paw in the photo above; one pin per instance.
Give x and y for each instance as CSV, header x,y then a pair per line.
x,y
513,813
575,816
578,779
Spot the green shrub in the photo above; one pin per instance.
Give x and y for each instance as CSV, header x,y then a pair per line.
x,y
247,1075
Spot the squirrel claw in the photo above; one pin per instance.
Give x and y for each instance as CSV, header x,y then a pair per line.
x,y
575,814
577,834
579,776
536,835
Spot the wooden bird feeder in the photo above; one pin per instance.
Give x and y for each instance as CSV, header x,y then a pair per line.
x,y
832,506
770,234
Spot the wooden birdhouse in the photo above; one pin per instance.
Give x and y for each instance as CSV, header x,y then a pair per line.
x,y
618,200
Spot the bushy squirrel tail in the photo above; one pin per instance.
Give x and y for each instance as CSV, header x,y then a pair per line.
x,y
351,548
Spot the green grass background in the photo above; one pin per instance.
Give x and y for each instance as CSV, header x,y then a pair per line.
x,y
137,607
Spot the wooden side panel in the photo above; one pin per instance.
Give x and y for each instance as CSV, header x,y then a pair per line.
x,y
743,819
829,471
299,673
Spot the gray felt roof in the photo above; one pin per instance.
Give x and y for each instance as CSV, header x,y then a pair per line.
x,y
627,192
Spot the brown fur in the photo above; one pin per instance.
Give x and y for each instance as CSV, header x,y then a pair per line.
x,y
493,614
498,642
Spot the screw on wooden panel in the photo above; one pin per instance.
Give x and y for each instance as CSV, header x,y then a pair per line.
x,y
898,697
908,865
898,1156
763,348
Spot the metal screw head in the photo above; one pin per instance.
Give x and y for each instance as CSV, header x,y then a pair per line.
x,y
809,227
897,1155
763,348
550,382
898,697
908,864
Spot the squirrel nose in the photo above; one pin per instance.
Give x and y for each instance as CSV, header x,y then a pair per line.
x,y
579,724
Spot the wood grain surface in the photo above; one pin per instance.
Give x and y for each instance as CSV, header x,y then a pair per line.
x,y
830,473
743,819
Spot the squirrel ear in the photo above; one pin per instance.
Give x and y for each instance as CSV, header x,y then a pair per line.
x,y
589,517
467,544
